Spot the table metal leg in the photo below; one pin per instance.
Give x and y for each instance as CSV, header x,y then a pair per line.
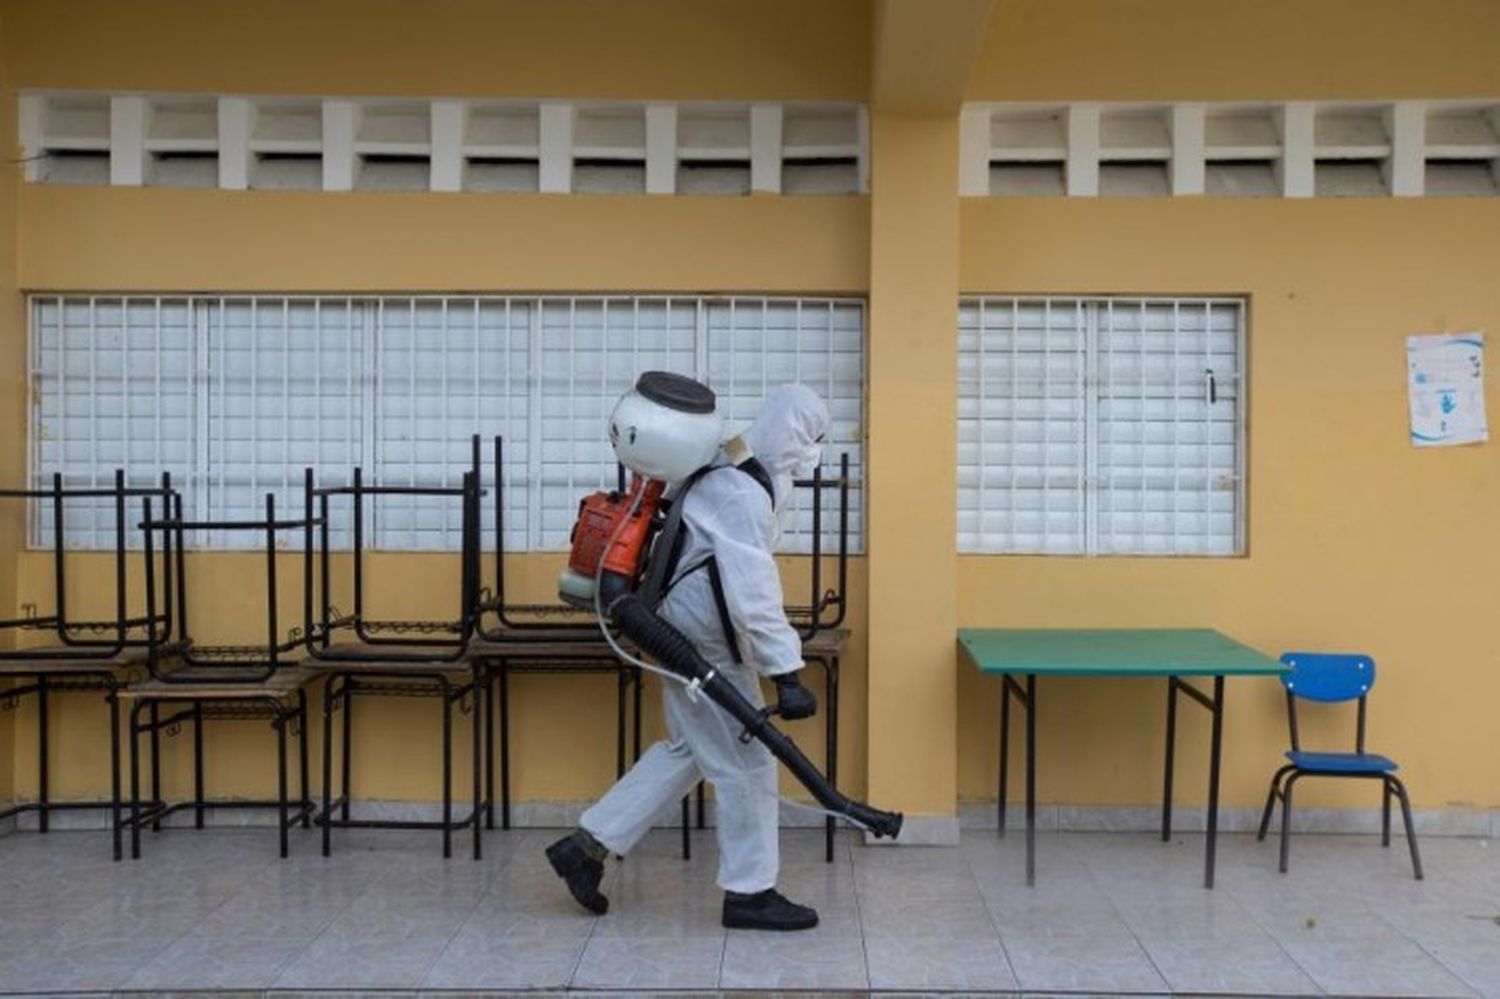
x,y
305,799
503,677
347,763
42,796
1167,769
282,810
327,815
1215,707
1004,756
114,769
1213,782
831,693
1030,779
489,750
476,689
155,766
135,781
198,765
622,679
445,698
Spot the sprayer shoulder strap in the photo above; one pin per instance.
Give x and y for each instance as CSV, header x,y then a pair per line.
x,y
661,573
667,551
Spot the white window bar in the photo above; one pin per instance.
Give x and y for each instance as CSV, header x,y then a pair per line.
x,y
236,395
111,388
1138,407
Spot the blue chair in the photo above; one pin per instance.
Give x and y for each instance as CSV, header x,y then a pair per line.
x,y
1334,679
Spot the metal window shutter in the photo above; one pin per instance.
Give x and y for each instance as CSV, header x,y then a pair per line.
x,y
446,369
1021,426
284,389
591,350
112,387
1168,457
755,344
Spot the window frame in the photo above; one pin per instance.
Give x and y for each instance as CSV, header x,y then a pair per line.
x,y
1092,472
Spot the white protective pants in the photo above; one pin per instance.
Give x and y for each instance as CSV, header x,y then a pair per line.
x,y
705,743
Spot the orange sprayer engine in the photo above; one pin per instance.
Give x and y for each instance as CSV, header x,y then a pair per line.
x,y
609,533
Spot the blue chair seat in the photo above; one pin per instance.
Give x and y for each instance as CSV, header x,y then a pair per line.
x,y
1341,763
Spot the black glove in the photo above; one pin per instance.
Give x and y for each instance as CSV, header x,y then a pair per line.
x,y
793,700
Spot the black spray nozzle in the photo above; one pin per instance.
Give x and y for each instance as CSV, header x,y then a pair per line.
x,y
882,825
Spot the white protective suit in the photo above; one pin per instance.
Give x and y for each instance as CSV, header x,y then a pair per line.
x,y
729,516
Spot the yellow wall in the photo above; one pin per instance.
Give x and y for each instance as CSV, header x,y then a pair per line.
x,y
1245,50
643,49
1356,540
121,239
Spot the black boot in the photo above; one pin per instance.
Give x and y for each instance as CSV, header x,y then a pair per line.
x,y
578,859
766,910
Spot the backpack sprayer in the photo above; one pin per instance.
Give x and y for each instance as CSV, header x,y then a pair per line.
x,y
664,430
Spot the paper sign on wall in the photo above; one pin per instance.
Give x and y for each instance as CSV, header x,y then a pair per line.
x,y
1446,384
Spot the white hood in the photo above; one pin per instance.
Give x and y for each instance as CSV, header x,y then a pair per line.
x,y
785,436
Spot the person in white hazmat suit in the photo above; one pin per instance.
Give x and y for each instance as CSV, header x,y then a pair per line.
x,y
732,519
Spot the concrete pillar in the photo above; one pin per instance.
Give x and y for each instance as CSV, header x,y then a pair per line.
x,y
912,479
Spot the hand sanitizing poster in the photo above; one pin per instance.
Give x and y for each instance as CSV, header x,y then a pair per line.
x,y
1446,383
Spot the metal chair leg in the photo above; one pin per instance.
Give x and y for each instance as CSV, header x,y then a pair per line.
x,y
281,803
44,812
327,814
1265,816
155,765
114,772
135,781
197,764
489,749
1411,832
502,674
477,692
446,700
305,797
1385,811
347,763
1286,820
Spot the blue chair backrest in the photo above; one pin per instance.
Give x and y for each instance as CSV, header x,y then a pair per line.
x,y
1328,677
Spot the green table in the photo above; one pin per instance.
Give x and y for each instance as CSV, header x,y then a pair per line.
x,y
1171,653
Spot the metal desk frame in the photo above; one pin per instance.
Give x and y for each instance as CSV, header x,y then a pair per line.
x,y
214,683
79,665
393,658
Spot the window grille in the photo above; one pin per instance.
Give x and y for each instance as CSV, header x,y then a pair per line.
x,y
1101,426
235,396
282,387
112,387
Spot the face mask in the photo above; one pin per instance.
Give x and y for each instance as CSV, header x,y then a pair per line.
x,y
805,459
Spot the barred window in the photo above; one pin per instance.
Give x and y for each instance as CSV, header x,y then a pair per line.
x,y
236,395
1101,426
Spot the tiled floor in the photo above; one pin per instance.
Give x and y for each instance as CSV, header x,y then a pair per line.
x,y
1112,913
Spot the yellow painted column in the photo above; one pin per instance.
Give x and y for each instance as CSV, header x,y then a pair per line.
x,y
12,391
912,477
